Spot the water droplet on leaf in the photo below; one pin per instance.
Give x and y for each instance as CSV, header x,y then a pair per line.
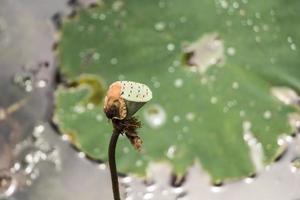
x,y
213,100
170,47
178,83
176,118
155,116
231,51
159,26
171,152
267,114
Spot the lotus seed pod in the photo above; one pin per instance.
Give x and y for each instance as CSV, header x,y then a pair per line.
x,y
125,98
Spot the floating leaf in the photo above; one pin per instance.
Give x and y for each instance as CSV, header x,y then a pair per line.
x,y
211,66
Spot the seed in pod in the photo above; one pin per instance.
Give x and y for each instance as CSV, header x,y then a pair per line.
x,y
125,98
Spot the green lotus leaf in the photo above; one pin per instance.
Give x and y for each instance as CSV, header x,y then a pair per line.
x,y
211,66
